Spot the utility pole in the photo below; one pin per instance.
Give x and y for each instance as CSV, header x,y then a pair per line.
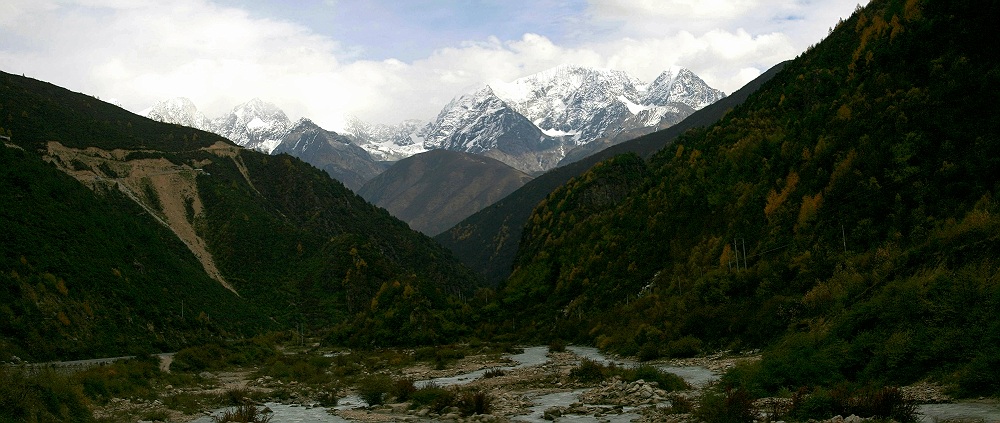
x,y
843,236
736,249
744,241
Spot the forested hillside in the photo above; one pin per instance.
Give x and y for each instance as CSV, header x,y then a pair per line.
x,y
123,235
488,240
844,218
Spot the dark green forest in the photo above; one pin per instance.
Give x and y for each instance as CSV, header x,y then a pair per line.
x,y
843,219
88,273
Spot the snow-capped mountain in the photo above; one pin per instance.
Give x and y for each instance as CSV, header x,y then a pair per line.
x,y
482,123
680,85
572,100
256,124
334,153
387,142
530,124
262,126
570,106
181,111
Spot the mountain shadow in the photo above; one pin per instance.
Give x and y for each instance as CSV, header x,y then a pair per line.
x,y
433,191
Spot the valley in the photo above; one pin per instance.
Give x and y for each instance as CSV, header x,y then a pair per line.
x,y
820,243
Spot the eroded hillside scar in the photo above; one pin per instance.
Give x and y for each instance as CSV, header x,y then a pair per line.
x,y
166,191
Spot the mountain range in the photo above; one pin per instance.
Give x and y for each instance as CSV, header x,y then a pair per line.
x,y
531,123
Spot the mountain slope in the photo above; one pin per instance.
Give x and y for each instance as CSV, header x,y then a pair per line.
x,y
180,111
256,124
111,220
487,240
843,218
331,152
387,143
481,123
434,190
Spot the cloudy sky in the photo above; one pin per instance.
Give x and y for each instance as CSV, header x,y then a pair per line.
x,y
386,60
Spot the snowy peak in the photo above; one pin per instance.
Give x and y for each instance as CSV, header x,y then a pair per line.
x,y
482,123
332,152
256,124
570,99
562,108
469,123
387,142
180,111
679,85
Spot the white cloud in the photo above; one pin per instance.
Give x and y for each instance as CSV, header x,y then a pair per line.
x,y
143,51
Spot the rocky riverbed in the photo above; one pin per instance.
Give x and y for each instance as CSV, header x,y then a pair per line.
x,y
533,386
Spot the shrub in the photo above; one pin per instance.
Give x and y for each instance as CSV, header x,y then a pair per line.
x,y
884,403
200,358
980,376
328,398
649,351
402,389
434,397
246,413
733,405
880,403
235,396
557,345
129,378
186,402
588,371
494,372
665,380
474,402
218,356
680,405
374,388
685,347
45,396
302,368
159,414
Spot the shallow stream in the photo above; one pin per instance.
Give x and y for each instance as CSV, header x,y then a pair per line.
x,y
975,412
287,413
531,356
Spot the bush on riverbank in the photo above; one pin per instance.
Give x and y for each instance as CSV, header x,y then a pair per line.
x,y
134,378
885,403
374,389
42,397
434,397
590,371
468,402
223,355
310,369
